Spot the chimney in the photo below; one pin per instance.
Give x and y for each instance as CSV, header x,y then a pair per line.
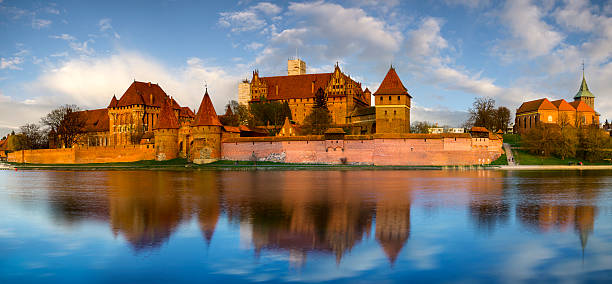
x,y
149,84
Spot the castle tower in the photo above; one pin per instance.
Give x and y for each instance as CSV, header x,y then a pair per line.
x,y
166,134
584,94
392,105
206,131
296,67
244,92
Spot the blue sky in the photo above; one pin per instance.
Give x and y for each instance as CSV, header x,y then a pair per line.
x,y
446,52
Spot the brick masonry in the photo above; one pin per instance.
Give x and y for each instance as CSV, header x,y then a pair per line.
x,y
375,151
84,155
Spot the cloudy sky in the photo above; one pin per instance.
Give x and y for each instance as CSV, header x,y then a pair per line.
x,y
446,52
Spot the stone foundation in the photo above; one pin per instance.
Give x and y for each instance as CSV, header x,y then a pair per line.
x,y
84,155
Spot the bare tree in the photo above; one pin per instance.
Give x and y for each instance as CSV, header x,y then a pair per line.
x,y
420,126
482,113
32,136
67,122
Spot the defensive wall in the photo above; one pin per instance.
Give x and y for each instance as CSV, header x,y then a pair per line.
x,y
84,155
377,149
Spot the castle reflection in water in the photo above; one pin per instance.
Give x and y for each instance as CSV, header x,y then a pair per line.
x,y
319,211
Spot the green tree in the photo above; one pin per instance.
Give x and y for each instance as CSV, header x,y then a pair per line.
x,y
567,144
593,141
269,112
542,140
501,117
319,119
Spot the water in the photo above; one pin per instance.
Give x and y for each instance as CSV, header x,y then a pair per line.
x,y
305,226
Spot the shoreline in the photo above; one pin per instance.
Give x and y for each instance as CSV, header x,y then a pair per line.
x,y
228,165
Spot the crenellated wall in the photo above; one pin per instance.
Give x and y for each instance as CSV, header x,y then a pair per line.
x,y
407,149
84,155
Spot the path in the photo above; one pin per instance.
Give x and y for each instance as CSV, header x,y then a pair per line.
x,y
509,156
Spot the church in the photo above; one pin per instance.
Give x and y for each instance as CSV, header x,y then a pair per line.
x,y
580,112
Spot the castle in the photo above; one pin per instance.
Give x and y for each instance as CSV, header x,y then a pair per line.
x,y
145,123
580,112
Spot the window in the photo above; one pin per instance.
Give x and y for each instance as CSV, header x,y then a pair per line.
x,y
394,112
550,118
389,98
381,99
385,112
398,98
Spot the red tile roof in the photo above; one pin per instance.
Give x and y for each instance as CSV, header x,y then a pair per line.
x,y
234,129
295,86
478,129
392,85
563,105
581,106
541,104
113,102
95,120
206,116
186,112
167,119
141,93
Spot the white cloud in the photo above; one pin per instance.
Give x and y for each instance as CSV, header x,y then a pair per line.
x,y
106,27
426,40
66,37
250,19
82,47
530,32
11,63
40,23
254,46
91,82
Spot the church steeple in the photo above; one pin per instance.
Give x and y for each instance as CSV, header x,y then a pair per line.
x,y
583,92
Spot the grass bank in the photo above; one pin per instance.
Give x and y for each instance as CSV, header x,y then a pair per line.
x,y
183,164
525,158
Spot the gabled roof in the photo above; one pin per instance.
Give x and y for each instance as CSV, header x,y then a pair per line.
x,y
541,104
367,90
186,112
581,106
167,119
392,85
113,102
478,129
583,91
206,116
141,93
295,86
95,120
563,105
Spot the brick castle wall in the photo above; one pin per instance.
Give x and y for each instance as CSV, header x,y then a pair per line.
x,y
83,155
377,151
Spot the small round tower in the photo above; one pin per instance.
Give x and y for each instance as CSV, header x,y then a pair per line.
x,y
206,132
166,134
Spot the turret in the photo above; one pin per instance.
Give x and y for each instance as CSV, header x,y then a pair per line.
x,y
166,133
206,131
584,94
392,105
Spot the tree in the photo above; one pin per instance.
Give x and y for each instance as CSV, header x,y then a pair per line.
x,y
567,144
482,113
420,126
270,112
32,136
542,140
592,143
501,117
66,122
319,119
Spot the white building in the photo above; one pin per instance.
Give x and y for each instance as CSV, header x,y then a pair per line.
x,y
244,92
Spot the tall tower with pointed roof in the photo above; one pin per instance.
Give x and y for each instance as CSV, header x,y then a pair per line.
x,y
166,133
206,131
584,94
392,102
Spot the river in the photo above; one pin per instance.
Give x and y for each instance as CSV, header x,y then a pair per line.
x,y
305,226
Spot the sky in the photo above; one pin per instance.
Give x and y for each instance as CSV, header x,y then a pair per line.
x,y
446,52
